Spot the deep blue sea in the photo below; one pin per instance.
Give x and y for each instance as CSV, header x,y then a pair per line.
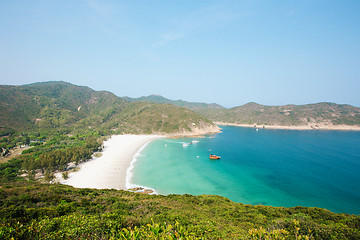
x,y
269,167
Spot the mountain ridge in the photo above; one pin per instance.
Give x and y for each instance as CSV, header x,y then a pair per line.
x,y
180,103
60,104
321,115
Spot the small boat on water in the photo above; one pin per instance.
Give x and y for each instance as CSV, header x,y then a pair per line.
x,y
214,157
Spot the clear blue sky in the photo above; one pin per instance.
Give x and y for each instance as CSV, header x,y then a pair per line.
x,y
273,52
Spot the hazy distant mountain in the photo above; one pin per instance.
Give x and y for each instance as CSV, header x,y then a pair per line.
x,y
314,115
179,103
61,104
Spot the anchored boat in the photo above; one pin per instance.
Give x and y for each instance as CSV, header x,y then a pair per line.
x,y
214,157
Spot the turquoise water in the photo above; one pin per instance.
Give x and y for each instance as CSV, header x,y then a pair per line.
x,y
269,167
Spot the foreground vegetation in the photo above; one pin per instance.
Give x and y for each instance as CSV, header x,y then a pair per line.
x,y
29,210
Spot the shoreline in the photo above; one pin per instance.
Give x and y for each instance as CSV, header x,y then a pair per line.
x,y
130,170
111,169
300,127
114,168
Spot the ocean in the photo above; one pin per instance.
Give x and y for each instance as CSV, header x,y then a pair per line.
x,y
268,167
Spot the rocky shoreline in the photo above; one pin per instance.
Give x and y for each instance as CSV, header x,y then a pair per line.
x,y
141,190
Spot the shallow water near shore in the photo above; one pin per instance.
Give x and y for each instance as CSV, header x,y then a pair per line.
x,y
269,167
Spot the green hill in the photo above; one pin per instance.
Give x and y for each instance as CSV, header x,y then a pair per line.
x,y
61,104
179,103
148,117
318,115
51,104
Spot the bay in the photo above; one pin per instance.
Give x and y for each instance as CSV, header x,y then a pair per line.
x,y
269,167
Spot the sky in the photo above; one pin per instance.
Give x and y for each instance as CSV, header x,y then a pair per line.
x,y
230,52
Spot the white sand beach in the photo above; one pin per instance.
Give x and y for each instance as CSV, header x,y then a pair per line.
x,y
109,171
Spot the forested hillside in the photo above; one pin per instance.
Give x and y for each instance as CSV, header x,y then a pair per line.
x,y
61,104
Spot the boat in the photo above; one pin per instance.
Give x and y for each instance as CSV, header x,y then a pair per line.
x,y
214,157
